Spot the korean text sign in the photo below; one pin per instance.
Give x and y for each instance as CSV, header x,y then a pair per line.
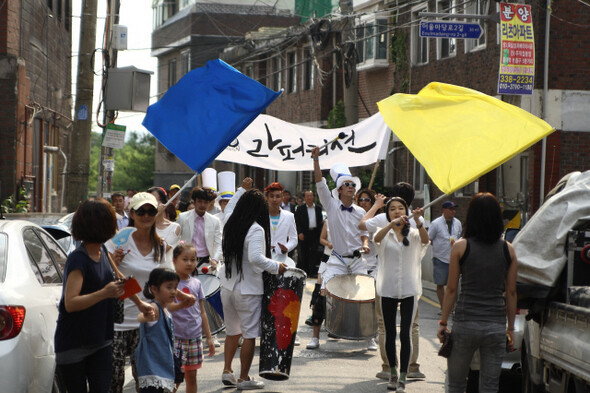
x,y
275,144
517,55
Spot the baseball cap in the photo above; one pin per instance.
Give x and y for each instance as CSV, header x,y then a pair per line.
x,y
142,198
174,187
448,204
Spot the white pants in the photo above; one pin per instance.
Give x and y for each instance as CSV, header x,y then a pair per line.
x,y
335,267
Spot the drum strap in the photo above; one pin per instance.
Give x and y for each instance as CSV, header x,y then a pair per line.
x,y
341,259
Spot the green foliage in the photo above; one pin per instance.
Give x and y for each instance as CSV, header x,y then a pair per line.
x,y
134,163
336,117
399,56
13,205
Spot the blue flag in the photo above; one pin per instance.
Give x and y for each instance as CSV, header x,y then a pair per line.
x,y
205,111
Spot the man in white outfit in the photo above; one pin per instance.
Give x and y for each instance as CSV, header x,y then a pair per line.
x,y
343,220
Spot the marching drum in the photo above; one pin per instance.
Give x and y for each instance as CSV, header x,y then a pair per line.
x,y
281,305
212,290
350,306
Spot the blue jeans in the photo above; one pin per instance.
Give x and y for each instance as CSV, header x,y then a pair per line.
x,y
490,339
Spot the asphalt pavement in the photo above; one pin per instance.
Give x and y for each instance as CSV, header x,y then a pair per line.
x,y
338,365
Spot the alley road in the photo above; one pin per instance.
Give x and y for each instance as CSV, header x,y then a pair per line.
x,y
338,365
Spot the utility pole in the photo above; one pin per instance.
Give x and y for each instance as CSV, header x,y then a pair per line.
x,y
349,65
80,143
105,173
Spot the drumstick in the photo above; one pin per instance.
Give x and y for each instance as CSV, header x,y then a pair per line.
x,y
341,135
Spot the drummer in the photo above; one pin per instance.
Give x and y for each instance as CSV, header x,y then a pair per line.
x,y
283,232
343,220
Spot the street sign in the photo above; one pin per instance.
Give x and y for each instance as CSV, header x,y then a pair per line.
x,y
114,136
444,29
82,112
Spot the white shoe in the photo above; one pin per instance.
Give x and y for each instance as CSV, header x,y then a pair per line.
x,y
216,342
228,379
297,342
314,343
383,375
372,345
249,384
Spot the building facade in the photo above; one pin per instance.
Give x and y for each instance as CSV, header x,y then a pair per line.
x,y
35,85
189,33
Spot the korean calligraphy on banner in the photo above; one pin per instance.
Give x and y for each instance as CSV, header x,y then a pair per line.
x,y
276,144
517,57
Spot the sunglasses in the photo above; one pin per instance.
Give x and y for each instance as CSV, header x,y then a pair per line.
x,y
364,199
150,212
348,184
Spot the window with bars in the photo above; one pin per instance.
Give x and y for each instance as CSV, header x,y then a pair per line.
x,y
419,45
291,72
275,68
171,72
476,7
308,71
372,43
446,47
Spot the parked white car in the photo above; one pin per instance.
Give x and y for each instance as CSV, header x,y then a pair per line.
x,y
31,269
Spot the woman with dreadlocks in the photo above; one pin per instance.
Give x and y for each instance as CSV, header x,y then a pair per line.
x,y
246,251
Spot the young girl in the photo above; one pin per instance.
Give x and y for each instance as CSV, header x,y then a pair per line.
x,y
189,322
154,354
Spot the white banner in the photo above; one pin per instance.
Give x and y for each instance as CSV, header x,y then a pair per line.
x,y
276,144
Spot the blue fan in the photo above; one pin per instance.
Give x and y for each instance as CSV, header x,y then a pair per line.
x,y
122,237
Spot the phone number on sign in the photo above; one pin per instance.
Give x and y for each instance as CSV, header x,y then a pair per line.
x,y
518,79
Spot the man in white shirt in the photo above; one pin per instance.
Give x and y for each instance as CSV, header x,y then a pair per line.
x,y
343,220
118,200
202,229
443,233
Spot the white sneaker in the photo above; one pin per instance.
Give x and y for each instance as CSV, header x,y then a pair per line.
x,y
314,343
216,342
372,345
250,384
297,342
228,379
383,375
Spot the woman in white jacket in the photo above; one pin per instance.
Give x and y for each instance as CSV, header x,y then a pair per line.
x,y
246,251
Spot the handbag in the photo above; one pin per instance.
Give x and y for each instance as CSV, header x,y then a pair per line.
x,y
445,349
118,304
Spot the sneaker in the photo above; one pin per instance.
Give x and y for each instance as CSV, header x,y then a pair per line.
x,y
228,378
392,385
401,387
216,342
372,345
250,384
314,343
416,375
383,375
309,321
297,342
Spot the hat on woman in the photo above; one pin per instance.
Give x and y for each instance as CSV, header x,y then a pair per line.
x,y
142,198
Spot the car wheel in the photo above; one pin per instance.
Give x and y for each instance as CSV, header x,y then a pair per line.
x,y
472,381
527,383
58,386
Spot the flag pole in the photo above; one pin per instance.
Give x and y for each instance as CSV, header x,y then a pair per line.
x,y
182,188
440,198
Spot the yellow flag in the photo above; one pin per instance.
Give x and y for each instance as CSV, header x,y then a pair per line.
x,y
459,134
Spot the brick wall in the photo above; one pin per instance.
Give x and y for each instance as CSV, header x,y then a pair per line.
x,y
35,61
